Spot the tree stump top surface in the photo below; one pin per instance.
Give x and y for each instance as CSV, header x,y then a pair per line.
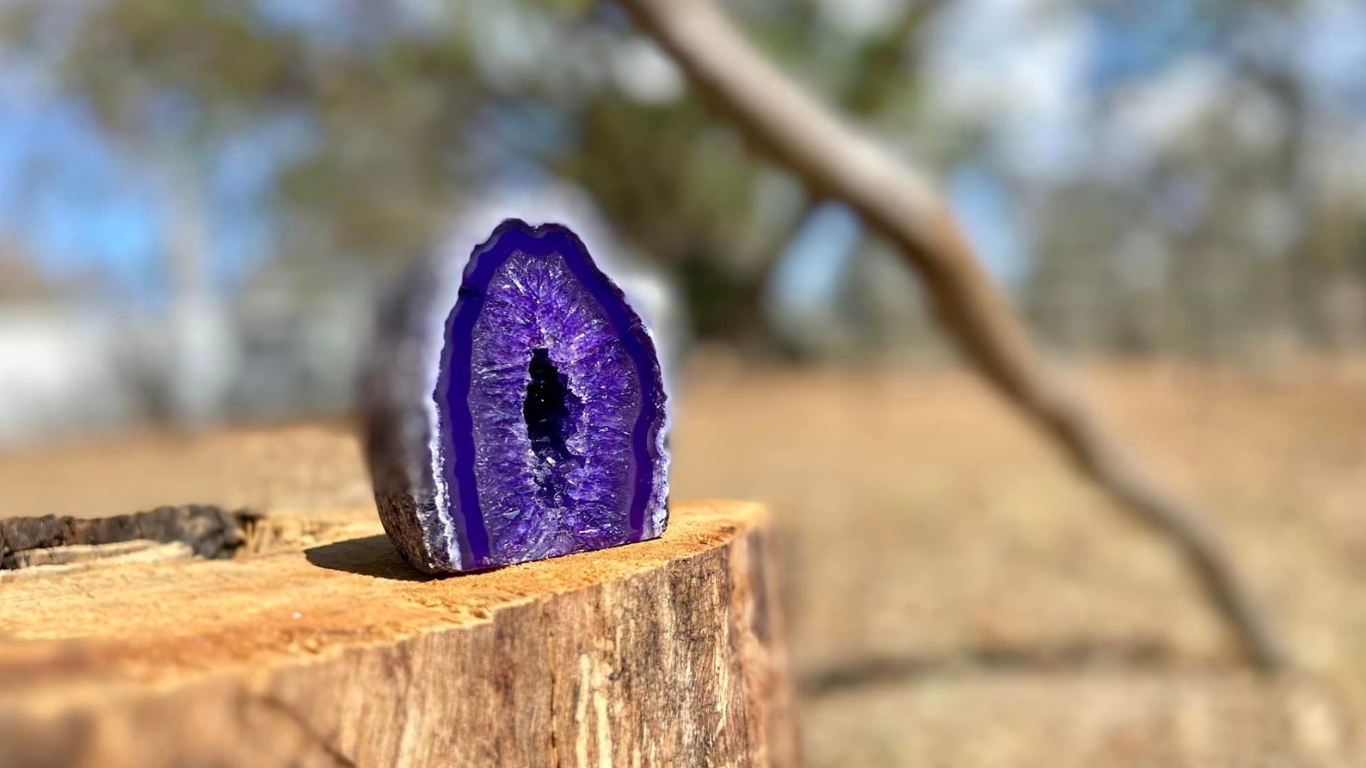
x,y
165,622
667,652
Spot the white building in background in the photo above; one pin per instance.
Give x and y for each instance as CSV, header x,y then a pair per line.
x,y
67,372
64,371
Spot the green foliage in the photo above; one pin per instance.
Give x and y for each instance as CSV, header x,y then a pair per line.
x,y
132,52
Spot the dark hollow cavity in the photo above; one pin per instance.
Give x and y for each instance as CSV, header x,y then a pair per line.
x,y
549,411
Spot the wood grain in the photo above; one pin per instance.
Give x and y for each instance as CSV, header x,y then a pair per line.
x,y
663,653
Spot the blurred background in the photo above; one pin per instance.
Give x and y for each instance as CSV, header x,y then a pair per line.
x,y
201,202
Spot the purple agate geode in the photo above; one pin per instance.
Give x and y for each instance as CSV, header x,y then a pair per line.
x,y
525,422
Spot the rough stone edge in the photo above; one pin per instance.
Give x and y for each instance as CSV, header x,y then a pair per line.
x,y
395,392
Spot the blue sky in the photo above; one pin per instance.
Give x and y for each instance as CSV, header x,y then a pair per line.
x,y
81,204
67,195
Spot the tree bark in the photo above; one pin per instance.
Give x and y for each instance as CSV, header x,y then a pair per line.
x,y
834,160
663,653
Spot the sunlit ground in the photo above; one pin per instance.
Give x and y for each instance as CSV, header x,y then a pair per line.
x,y
956,595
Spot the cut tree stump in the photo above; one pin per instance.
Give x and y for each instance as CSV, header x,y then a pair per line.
x,y
664,653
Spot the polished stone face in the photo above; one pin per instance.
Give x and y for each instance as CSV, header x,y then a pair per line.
x,y
551,407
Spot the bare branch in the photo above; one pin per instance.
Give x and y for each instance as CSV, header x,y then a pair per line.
x,y
834,159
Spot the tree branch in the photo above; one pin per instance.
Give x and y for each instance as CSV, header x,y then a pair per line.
x,y
835,160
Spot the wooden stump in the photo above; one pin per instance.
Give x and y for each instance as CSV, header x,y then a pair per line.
x,y
665,653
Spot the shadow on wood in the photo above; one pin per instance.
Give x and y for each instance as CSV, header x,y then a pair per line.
x,y
369,556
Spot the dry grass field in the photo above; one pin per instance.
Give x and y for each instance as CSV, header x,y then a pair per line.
x,y
957,596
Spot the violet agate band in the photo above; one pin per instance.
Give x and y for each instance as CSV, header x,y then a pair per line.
x,y
548,427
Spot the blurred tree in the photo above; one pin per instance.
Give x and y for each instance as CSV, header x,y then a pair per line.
x,y
407,117
1222,229
1221,241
